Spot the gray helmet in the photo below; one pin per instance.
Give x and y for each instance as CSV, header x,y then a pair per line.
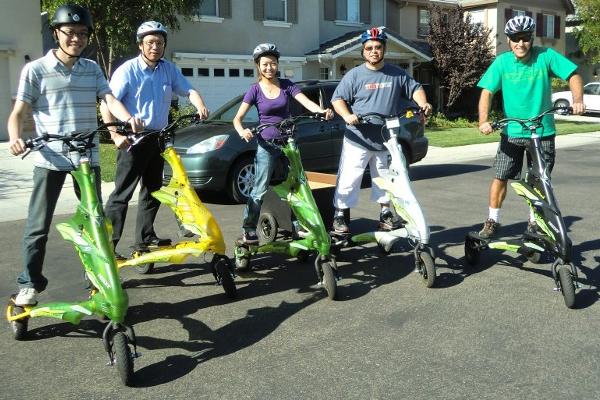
x,y
72,14
518,24
150,27
265,49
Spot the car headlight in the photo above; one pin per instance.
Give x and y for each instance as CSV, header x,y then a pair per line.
x,y
210,144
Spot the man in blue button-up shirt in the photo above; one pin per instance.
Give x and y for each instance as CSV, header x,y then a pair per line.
x,y
145,85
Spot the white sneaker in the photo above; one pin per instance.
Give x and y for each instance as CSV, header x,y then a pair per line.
x,y
26,297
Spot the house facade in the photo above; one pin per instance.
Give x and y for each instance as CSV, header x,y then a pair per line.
x,y
20,41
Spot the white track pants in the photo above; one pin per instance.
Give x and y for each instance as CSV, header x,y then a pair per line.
x,y
353,162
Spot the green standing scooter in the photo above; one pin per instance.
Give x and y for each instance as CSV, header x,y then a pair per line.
x,y
89,231
296,191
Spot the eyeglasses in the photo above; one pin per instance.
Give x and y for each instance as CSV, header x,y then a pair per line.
x,y
72,34
371,48
152,43
518,38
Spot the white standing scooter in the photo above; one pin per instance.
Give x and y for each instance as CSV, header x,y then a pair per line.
x,y
397,184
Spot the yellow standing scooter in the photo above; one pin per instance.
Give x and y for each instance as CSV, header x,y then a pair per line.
x,y
191,214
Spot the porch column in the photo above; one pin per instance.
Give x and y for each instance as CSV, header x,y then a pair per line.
x,y
411,67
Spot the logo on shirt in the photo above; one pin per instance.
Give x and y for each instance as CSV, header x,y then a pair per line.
x,y
375,86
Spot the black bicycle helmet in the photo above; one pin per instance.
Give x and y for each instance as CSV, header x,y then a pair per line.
x,y
72,14
265,49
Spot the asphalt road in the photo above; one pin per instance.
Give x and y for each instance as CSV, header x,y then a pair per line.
x,y
495,332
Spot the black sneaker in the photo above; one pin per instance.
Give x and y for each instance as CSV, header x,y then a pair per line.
x,y
249,238
339,225
388,221
156,241
490,227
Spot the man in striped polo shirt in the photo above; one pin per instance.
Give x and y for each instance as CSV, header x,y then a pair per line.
x,y
61,90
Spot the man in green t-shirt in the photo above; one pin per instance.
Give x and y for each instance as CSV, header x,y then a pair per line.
x,y
524,76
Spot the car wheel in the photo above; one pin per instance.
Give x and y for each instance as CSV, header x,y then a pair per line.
x,y
562,103
241,180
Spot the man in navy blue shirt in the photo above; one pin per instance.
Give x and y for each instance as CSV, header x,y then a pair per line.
x,y
145,85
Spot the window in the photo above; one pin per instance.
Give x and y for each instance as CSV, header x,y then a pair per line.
x,y
234,72
423,23
219,72
187,71
275,10
477,17
323,73
313,94
348,10
516,13
203,72
591,89
209,7
549,26
248,73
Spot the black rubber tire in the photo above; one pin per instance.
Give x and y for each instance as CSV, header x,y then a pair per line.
x,y
240,180
19,327
471,252
329,281
427,268
561,103
266,228
144,268
122,358
242,264
567,287
226,278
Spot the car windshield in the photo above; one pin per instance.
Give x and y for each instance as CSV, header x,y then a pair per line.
x,y
228,111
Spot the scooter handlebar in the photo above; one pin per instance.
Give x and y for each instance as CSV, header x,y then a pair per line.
x,y
499,124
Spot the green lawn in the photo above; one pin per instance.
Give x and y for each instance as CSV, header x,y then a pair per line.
x,y
450,137
437,137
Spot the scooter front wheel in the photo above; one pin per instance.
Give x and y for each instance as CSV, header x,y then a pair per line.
x,y
242,264
328,280
426,268
567,287
122,358
19,326
225,278
267,228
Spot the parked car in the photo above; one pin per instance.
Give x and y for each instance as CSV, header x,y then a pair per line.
x,y
217,159
591,98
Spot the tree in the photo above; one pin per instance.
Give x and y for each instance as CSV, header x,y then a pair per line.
x,y
588,33
461,51
115,23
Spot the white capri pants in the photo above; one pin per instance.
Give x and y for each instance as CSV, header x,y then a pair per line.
x,y
353,161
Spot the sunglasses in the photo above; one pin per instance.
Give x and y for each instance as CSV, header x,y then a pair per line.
x,y
376,47
518,38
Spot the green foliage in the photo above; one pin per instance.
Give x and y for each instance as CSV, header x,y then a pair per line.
x,y
116,21
440,121
559,85
461,50
588,33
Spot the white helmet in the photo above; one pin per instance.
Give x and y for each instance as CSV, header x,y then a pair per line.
x,y
265,49
518,24
150,27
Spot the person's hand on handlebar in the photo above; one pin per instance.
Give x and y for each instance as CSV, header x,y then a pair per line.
x,y
16,147
485,128
328,114
351,119
137,125
426,108
247,135
203,112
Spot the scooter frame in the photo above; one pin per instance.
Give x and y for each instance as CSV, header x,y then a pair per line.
x,y
89,231
536,188
296,191
191,213
396,182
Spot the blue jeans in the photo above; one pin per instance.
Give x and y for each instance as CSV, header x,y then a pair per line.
x,y
47,185
264,163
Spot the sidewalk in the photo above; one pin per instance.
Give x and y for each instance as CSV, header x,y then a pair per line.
x,y
16,174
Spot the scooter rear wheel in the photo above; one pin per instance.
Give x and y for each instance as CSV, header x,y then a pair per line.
x,y
19,326
471,251
226,278
329,281
267,228
122,358
144,268
242,264
427,268
567,287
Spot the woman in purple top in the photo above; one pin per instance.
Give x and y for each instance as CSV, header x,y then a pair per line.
x,y
271,96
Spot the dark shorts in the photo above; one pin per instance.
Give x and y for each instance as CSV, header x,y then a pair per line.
x,y
509,158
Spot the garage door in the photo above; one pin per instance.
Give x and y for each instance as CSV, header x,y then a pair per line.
x,y
219,84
